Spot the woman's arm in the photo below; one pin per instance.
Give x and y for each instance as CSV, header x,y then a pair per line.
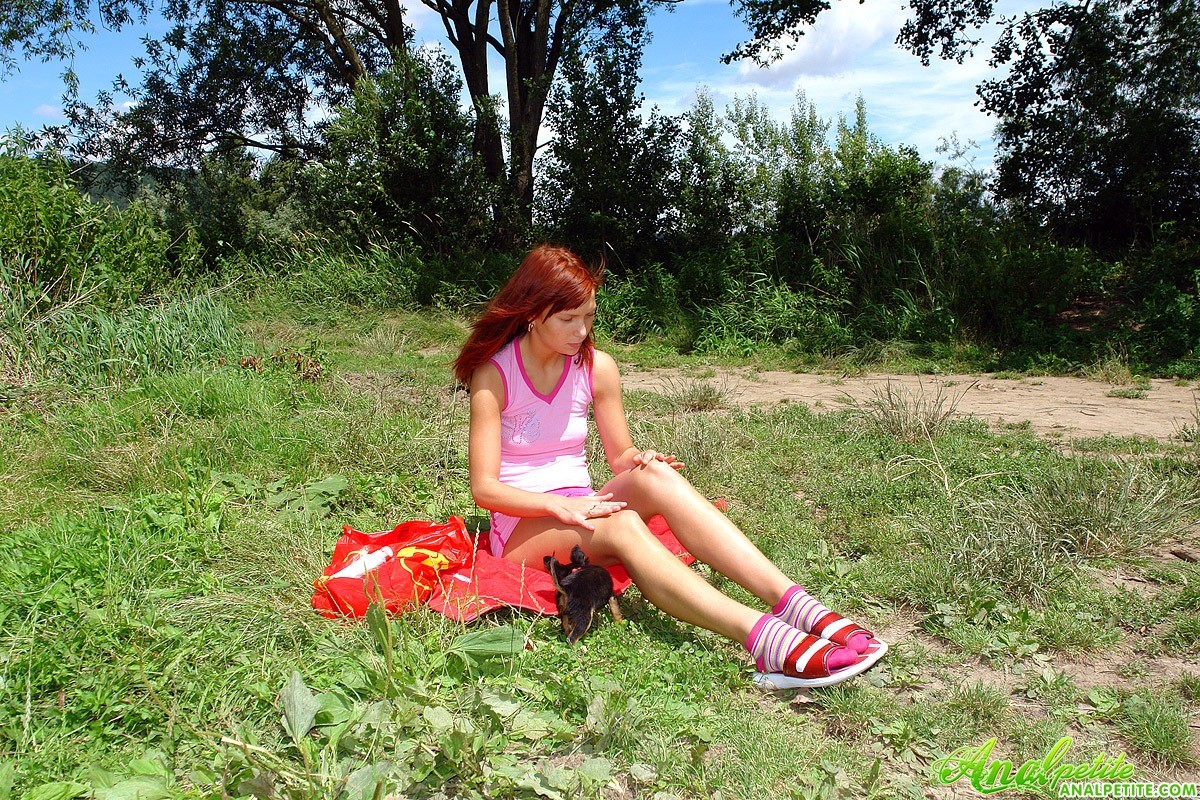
x,y
483,454
611,423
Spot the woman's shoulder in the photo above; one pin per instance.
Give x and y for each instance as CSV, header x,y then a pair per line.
x,y
487,376
602,361
604,371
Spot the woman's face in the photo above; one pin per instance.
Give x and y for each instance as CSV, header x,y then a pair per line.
x,y
565,331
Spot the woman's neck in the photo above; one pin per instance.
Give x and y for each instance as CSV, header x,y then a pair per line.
x,y
537,355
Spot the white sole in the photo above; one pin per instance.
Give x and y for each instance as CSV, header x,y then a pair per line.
x,y
777,681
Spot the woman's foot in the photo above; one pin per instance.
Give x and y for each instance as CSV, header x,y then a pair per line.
x,y
801,610
778,647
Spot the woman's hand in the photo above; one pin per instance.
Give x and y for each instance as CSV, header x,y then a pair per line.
x,y
646,457
580,511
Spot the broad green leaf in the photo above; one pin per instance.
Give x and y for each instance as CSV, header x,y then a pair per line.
x,y
335,709
141,787
439,718
61,790
504,640
299,707
556,776
642,773
537,783
364,782
331,487
380,627
151,763
596,769
505,704
8,776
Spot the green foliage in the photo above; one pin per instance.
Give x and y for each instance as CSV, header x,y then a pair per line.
x,y
1155,722
87,345
399,163
1097,122
608,182
765,311
630,309
65,248
157,637
308,269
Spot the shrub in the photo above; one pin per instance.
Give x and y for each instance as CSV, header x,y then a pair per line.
x,y
767,312
633,307
68,247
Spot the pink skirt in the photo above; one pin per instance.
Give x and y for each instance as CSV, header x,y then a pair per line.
x,y
503,524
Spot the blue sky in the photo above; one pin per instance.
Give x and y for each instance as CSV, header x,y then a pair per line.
x,y
850,51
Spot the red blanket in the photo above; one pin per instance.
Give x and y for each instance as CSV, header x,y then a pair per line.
x,y
488,583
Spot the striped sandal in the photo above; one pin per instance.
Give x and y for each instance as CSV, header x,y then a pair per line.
x,y
804,668
837,629
801,610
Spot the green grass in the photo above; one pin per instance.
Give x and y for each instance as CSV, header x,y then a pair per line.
x,y
164,532
1155,723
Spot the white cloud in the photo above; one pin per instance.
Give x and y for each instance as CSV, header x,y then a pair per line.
x,y
51,112
851,51
841,37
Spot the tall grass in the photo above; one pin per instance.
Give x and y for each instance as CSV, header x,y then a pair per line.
x,y
765,311
907,414
74,281
308,269
68,246
1025,541
80,343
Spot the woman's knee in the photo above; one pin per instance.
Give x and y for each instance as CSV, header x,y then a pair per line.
x,y
622,533
656,475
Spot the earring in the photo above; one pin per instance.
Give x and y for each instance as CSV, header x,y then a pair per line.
x,y
530,328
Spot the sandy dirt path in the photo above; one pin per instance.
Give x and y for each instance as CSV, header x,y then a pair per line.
x,y
1066,407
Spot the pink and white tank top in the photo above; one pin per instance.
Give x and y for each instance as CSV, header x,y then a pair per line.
x,y
542,437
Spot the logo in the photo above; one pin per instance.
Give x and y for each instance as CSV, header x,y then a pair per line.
x,y
990,776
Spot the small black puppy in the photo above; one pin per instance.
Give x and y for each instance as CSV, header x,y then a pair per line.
x,y
580,589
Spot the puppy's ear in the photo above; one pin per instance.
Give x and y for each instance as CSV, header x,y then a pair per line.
x,y
578,557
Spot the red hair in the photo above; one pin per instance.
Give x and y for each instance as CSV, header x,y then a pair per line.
x,y
549,280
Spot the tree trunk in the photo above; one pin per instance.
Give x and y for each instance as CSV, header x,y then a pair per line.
x,y
530,44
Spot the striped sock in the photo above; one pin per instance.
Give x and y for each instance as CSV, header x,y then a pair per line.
x,y
772,640
801,610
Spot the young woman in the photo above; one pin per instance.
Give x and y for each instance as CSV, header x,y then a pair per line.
x,y
533,373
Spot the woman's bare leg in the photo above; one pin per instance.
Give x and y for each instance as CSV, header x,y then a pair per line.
x,y
709,535
661,577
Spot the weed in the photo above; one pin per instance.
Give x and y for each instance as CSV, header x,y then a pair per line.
x,y
1102,510
1053,688
978,705
1116,445
1112,366
1156,724
1188,684
696,395
1190,431
909,415
1127,393
1184,634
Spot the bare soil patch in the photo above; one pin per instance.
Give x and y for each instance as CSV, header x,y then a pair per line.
x,y
1061,407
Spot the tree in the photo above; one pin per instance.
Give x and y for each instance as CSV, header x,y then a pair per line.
x,y
1099,132
252,72
1099,112
399,160
609,178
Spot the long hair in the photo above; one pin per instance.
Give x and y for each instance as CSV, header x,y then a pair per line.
x,y
549,280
